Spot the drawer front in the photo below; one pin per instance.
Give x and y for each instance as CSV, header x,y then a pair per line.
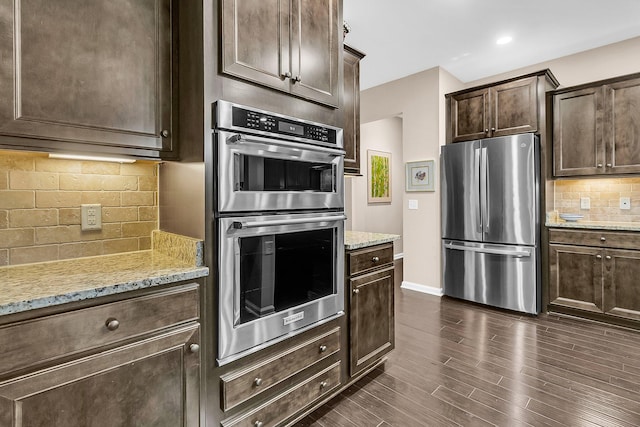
x,y
278,409
46,338
242,385
368,259
608,239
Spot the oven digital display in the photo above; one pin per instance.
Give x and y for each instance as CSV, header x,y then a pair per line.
x,y
290,128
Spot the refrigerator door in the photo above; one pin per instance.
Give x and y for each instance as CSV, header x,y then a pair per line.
x,y
509,177
460,207
498,275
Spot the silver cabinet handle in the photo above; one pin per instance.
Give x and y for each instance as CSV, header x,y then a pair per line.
x,y
599,256
356,291
603,239
112,324
375,259
254,224
297,79
323,348
599,165
486,130
609,165
286,75
608,257
257,382
323,384
194,348
493,129
164,133
258,424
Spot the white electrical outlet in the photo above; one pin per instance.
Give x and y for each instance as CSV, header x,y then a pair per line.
x,y
625,203
413,204
585,203
91,217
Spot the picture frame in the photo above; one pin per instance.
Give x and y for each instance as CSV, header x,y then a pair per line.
x,y
379,177
420,175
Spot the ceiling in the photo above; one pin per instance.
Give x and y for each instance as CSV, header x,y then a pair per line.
x,y
403,37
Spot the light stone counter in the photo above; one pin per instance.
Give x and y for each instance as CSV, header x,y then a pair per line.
x,y
31,286
362,239
596,225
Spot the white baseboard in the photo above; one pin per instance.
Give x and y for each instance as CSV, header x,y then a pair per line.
x,y
398,256
422,288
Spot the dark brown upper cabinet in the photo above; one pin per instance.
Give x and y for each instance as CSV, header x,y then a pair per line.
x,y
351,106
289,45
87,76
596,128
505,108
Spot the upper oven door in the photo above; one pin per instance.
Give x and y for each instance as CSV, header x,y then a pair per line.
x,y
264,174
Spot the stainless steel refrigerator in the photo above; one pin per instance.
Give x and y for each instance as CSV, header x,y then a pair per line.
x,y
490,221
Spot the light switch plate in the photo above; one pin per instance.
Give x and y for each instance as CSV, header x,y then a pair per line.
x,y
91,217
625,203
413,204
585,203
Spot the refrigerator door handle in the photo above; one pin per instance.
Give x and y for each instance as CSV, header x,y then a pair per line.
x,y
477,163
484,190
496,251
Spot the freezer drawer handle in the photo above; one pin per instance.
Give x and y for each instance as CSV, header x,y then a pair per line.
x,y
516,253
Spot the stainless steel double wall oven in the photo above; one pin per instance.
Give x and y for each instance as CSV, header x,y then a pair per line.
x,y
279,226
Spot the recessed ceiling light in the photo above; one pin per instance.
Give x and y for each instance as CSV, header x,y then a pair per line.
x,y
504,40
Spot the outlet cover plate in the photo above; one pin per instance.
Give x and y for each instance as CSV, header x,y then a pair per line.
x,y
625,203
585,203
91,217
413,204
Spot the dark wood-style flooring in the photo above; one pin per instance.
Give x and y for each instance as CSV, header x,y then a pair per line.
x,y
457,363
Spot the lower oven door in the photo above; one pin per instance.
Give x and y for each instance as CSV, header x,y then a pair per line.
x,y
267,174
277,276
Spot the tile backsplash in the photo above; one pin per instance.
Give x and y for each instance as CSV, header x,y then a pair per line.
x,y
604,195
40,202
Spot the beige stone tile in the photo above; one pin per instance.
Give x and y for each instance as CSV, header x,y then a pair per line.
x,y
590,195
100,168
4,257
148,213
120,245
16,162
98,182
620,188
58,199
118,214
13,238
570,195
109,231
148,183
138,229
138,198
4,219
22,180
596,217
14,199
57,165
105,198
79,250
609,195
139,168
32,217
33,254
4,180
144,243
69,216
58,234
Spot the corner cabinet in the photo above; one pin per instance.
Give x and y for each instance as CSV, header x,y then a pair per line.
x,y
596,128
371,305
87,76
594,274
351,106
289,45
505,108
130,362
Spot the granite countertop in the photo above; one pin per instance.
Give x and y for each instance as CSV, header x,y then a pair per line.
x,y
595,225
362,239
30,286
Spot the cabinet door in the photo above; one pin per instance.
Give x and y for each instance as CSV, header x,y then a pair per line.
x,y
578,147
575,277
351,106
621,286
469,114
371,318
88,72
315,46
151,382
255,41
514,107
622,127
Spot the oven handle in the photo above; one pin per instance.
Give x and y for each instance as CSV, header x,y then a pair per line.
x,y
253,224
243,139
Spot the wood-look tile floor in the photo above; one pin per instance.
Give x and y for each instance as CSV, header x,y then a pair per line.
x,y
458,363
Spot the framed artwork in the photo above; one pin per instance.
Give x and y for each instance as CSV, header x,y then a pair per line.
x,y
420,175
379,173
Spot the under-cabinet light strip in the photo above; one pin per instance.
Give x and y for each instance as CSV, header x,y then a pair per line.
x,y
89,157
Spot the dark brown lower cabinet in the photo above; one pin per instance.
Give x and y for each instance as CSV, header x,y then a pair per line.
x,y
598,280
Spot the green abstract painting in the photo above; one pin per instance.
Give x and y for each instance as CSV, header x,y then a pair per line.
x,y
379,172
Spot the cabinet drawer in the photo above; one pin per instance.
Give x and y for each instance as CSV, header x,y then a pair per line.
x,y
609,239
364,260
46,338
242,385
281,407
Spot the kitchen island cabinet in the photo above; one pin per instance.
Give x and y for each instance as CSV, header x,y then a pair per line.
x,y
596,128
88,77
594,274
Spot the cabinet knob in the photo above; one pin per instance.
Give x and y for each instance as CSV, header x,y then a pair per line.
x,y
603,239
323,384
258,424
297,79
112,324
375,259
599,165
164,133
194,348
599,256
257,382
323,348
356,291
493,129
609,165
608,257
286,75
486,131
